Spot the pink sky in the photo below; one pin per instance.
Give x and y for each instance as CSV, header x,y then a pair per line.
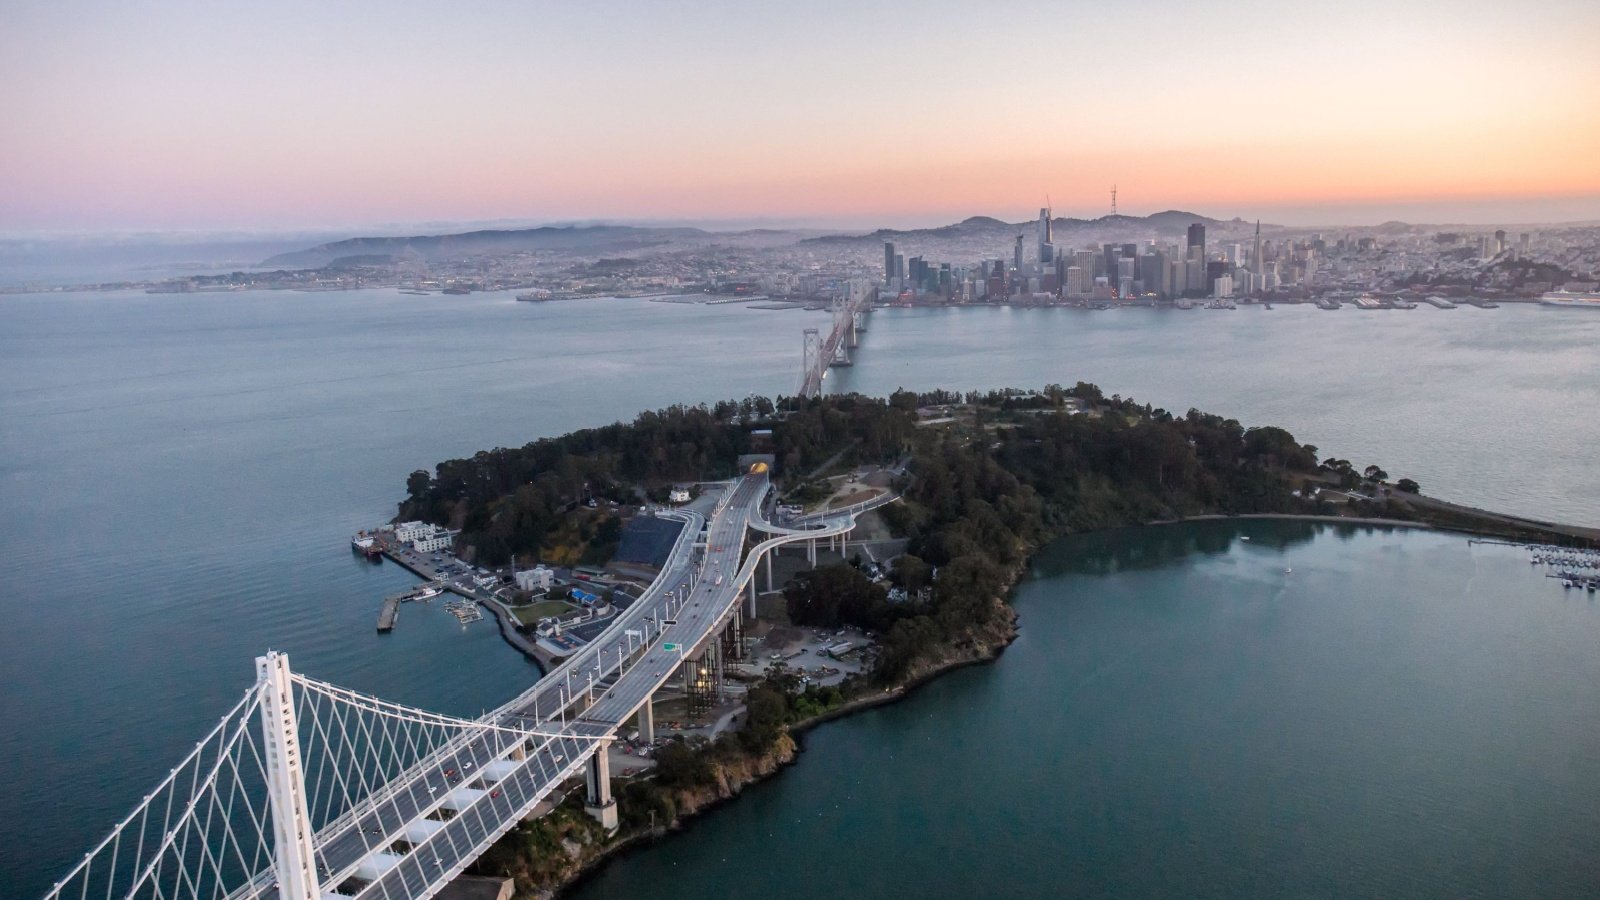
x,y
297,114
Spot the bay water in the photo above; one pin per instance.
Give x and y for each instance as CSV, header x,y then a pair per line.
x,y
180,475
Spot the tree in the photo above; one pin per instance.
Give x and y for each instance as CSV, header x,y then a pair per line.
x,y
1408,486
679,766
1373,473
835,595
766,711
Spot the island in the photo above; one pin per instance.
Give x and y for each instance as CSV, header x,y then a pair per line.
x,y
979,481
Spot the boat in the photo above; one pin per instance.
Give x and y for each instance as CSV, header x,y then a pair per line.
x,y
1571,300
456,291
537,296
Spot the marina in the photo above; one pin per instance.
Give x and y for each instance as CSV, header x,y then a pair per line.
x,y
1573,567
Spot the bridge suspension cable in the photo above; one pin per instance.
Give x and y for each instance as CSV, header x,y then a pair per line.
x,y
202,828
207,830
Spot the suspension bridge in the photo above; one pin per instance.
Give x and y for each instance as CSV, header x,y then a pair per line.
x,y
306,790
819,351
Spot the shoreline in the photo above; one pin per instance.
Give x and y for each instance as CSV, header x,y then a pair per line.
x,y
641,840
983,653
1473,521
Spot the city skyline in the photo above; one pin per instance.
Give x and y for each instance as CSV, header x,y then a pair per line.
x,y
888,115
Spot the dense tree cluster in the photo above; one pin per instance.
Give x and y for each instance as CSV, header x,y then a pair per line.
x,y
508,500
1013,469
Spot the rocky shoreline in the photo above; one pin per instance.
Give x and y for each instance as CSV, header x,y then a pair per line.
x,y
583,849
584,855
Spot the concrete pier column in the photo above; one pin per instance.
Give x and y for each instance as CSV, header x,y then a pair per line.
x,y
770,554
599,803
811,551
733,636
752,595
646,720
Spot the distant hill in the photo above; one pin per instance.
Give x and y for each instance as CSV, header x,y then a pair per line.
x,y
1171,221
580,239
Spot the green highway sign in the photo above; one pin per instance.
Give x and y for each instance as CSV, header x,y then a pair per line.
x,y
671,647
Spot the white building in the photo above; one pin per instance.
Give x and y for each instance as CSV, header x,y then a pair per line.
x,y
537,578
406,532
679,494
432,538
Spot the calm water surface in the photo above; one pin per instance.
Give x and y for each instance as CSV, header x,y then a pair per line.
x,y
180,474
1404,715
1492,407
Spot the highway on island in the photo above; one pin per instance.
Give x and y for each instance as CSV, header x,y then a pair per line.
x,y
417,832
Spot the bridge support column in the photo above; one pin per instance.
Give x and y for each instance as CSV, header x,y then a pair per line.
x,y
646,720
811,551
770,553
733,637
293,858
752,595
599,804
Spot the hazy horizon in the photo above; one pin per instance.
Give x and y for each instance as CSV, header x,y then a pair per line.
x,y
1580,208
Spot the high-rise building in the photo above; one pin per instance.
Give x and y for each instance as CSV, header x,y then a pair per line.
x,y
1194,276
1522,244
1075,283
1215,269
1255,256
1046,238
1197,238
1500,241
888,260
1152,273
1084,261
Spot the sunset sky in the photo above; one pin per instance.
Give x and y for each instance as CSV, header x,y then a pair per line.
x,y
188,114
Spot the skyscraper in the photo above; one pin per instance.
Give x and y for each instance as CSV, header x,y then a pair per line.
x,y
1152,272
1046,240
1016,255
888,260
1084,261
1255,257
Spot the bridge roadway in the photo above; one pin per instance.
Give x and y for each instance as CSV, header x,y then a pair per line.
x,y
491,777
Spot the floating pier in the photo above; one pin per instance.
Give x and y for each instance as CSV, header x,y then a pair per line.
x,y
387,615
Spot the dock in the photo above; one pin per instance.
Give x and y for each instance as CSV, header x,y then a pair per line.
x,y
387,615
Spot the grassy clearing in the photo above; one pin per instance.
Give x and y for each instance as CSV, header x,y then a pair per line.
x,y
533,612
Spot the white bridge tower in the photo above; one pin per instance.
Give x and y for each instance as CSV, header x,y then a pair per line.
x,y
293,856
